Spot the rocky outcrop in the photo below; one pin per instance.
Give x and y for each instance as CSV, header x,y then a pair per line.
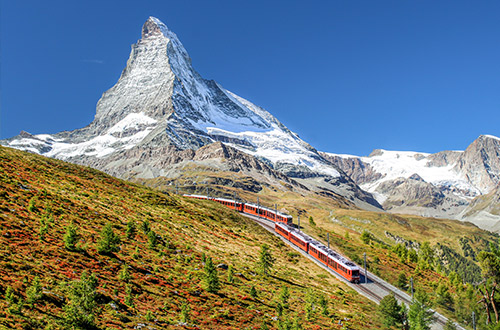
x,y
480,163
354,167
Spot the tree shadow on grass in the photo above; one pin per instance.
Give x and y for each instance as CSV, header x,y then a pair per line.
x,y
287,281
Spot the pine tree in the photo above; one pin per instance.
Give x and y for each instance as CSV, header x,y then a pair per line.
x,y
266,260
279,309
284,296
131,229
230,274
81,309
366,237
311,221
109,241
402,281
34,292
420,316
253,292
324,305
390,312
124,274
44,228
152,240
185,311
146,226
129,298
70,238
211,280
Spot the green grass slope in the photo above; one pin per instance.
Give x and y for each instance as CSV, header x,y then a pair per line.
x,y
41,198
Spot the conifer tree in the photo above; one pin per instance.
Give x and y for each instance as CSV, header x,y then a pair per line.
x,y
323,302
420,316
81,309
230,274
266,260
124,274
253,292
70,238
284,296
390,312
146,226
152,240
402,281
131,229
109,241
211,279
129,298
34,292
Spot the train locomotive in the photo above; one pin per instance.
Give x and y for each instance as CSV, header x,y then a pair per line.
x,y
283,226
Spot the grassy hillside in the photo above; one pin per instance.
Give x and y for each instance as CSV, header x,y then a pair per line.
x,y
397,246
156,275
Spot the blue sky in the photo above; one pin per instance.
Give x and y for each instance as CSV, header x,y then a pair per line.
x,y
347,76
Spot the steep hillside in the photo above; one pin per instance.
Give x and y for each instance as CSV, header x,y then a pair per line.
x,y
43,198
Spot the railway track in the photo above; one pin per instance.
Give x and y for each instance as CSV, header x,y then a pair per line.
x,y
375,288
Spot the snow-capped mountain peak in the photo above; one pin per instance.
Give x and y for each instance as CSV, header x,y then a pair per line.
x,y
160,100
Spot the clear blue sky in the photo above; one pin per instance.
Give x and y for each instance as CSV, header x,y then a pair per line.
x,y
348,76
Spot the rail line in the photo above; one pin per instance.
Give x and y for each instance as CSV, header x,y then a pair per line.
x,y
375,288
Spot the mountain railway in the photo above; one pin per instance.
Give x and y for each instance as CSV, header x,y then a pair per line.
x,y
347,271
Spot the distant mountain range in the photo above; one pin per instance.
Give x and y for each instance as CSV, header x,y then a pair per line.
x,y
162,119
462,185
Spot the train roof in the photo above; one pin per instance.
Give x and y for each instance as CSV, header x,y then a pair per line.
x,y
212,198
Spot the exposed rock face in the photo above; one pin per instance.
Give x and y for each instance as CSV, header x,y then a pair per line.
x,y
161,112
355,168
480,163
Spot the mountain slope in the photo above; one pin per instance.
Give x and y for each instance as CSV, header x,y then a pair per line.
x,y
161,101
42,197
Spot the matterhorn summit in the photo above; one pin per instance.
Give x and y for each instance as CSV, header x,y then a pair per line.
x,y
161,106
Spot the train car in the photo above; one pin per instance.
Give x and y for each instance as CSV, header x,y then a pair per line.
x,y
319,252
300,240
343,267
230,203
282,229
249,208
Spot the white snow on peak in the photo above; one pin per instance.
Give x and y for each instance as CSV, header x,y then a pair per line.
x,y
492,137
132,121
404,164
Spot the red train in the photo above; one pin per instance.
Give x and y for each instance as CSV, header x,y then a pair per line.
x,y
282,226
318,251
257,210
